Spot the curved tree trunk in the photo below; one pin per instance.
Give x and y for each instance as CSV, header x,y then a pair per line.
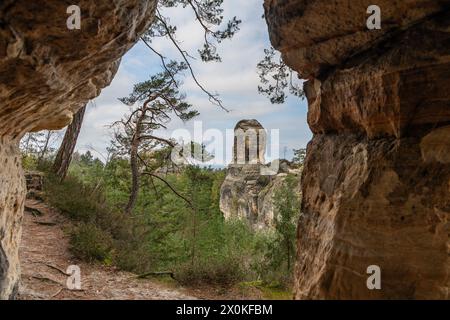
x,y
134,148
45,148
64,156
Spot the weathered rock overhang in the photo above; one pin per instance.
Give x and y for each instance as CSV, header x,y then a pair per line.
x,y
376,182
47,72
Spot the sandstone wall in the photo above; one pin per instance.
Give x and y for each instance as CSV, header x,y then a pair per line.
x,y
247,195
376,182
12,201
47,73
248,189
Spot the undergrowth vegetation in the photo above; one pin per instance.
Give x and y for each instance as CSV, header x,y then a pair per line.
x,y
166,233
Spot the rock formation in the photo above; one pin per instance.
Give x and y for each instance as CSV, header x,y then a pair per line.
x,y
47,72
249,142
34,181
247,191
376,182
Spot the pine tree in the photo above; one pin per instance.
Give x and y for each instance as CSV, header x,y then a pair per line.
x,y
287,209
157,100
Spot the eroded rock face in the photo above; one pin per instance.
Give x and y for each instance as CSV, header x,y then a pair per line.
x,y
249,142
317,35
247,191
376,182
47,72
12,201
246,194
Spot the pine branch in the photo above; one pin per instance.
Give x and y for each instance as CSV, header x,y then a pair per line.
x,y
212,98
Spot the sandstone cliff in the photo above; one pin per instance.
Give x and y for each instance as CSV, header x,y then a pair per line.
x,y
47,72
249,186
246,194
376,182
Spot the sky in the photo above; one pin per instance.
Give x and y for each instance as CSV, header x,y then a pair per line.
x,y
235,79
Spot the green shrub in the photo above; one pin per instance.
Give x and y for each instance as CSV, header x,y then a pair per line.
x,y
279,247
224,254
91,243
224,271
29,162
133,251
72,198
164,233
263,181
133,256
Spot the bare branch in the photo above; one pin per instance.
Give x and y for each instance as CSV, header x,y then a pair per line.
x,y
200,20
163,60
148,136
212,98
170,187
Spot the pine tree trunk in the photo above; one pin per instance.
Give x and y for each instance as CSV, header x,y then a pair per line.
x,y
134,165
44,149
64,156
134,178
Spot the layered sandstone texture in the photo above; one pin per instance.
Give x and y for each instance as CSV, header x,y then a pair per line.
x,y
47,72
250,184
376,182
247,193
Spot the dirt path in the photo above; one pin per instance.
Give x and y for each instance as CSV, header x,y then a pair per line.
x,y
45,256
